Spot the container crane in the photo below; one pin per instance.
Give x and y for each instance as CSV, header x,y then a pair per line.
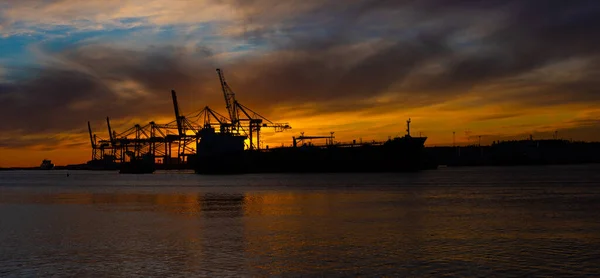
x,y
183,126
93,140
110,132
112,137
230,101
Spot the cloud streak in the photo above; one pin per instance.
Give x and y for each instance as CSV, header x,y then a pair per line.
x,y
32,16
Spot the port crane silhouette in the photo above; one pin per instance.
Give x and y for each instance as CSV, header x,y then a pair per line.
x,y
183,134
239,113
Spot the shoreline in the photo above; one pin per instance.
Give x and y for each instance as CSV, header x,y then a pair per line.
x,y
467,165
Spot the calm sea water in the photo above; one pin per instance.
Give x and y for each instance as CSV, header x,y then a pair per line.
x,y
486,222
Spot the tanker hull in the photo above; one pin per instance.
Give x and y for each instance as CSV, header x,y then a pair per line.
x,y
399,155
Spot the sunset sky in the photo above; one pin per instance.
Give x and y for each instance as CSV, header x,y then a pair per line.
x,y
499,69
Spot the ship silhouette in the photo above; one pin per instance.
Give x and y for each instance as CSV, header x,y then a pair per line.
x,y
223,153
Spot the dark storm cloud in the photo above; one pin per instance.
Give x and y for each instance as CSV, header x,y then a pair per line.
x,y
92,82
527,36
38,103
582,86
534,35
335,52
321,75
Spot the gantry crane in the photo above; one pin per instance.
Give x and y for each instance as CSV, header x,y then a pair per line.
x,y
95,154
230,103
183,126
157,139
99,146
110,134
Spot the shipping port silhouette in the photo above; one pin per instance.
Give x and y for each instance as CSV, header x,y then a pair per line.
x,y
211,143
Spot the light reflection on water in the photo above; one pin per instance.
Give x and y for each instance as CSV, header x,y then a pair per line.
x,y
526,221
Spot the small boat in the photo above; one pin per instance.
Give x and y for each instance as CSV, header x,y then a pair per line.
x,y
47,165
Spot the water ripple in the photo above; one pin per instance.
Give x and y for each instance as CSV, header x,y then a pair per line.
x,y
454,223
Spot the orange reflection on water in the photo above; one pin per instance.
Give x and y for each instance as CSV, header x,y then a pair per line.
x,y
311,232
123,201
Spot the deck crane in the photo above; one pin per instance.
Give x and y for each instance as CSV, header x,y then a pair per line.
x,y
255,120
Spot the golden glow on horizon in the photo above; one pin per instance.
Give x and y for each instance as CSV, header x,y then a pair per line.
x,y
436,122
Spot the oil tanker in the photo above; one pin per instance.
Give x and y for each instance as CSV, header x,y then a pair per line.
x,y
223,153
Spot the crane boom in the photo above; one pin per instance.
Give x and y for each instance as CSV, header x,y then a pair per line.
x,y
110,134
91,136
229,98
177,115
279,127
220,119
